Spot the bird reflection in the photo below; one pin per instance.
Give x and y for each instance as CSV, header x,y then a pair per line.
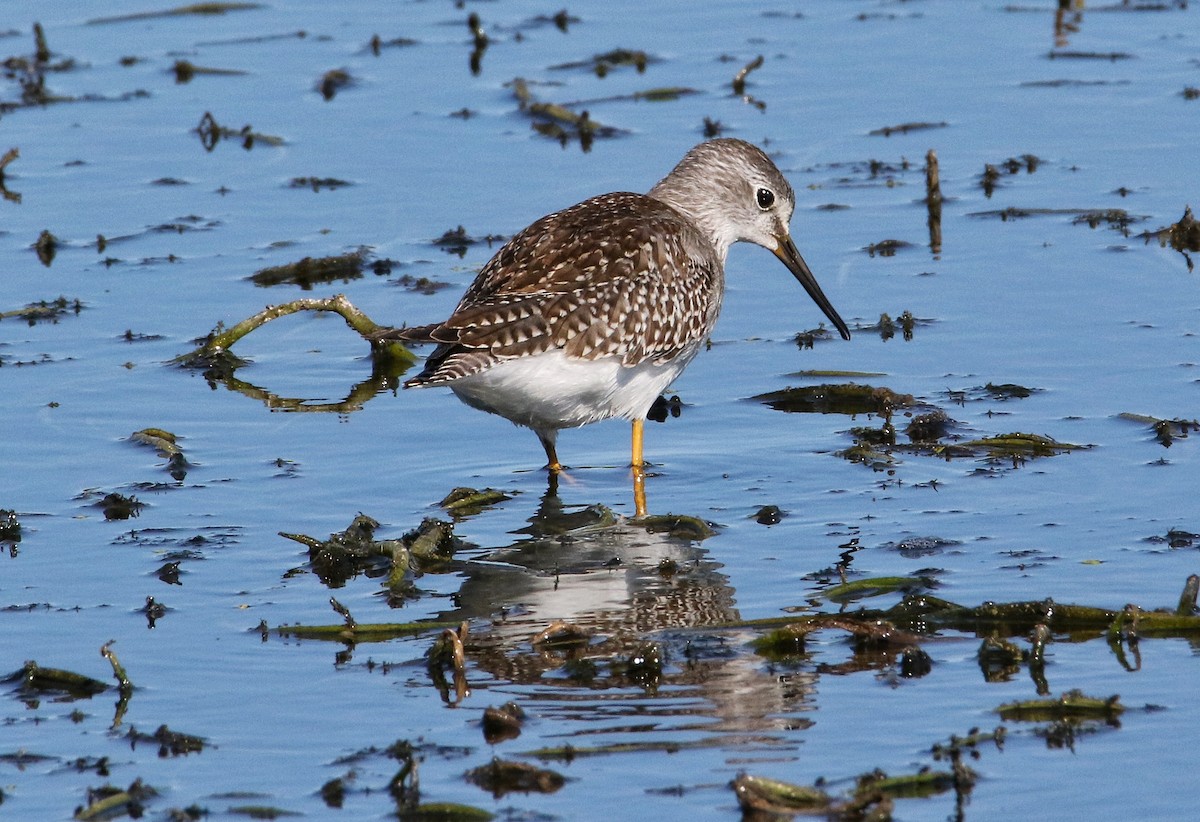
x,y
1067,19
583,597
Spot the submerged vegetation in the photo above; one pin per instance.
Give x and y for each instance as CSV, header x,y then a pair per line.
x,y
931,431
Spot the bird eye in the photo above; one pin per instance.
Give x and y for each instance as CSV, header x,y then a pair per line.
x,y
766,198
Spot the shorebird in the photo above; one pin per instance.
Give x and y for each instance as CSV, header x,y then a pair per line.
x,y
592,311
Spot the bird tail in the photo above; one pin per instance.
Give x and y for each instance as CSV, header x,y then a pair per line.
x,y
416,333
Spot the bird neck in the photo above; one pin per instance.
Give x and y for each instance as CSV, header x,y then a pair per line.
x,y
699,210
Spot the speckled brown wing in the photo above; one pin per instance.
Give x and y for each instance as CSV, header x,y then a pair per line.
x,y
618,275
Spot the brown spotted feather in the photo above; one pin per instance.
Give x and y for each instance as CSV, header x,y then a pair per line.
x,y
599,279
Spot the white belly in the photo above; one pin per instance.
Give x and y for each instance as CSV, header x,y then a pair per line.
x,y
552,391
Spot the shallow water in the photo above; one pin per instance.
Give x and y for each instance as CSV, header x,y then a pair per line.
x,y
1099,321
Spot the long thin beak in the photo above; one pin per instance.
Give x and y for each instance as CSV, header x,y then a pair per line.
x,y
788,254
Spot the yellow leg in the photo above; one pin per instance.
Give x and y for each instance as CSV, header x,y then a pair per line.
x,y
639,471
639,492
552,463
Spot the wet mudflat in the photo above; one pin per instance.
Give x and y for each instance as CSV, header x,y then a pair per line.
x,y
939,571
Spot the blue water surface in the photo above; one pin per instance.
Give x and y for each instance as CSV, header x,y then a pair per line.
x,y
1099,321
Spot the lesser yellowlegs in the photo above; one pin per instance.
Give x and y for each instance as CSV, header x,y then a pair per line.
x,y
591,312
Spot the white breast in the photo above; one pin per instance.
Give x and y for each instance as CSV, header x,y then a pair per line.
x,y
552,390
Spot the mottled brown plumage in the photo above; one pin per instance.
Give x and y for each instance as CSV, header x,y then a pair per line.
x,y
592,311
620,275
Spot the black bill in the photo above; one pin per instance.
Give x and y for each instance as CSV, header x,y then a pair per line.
x,y
786,251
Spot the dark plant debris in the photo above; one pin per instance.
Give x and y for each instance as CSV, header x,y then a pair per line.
x,y
503,723
870,799
991,391
457,241
110,802
739,83
1175,538
170,743
989,181
153,611
929,427
480,42
419,285
318,183
678,526
559,122
1074,82
768,515
1165,431
500,777
10,526
886,248
467,502
167,446
847,398
869,173
333,81
876,447
644,666
211,133
877,586
124,685
131,336
117,506
213,355
1071,705
893,641
448,654
200,9
46,247
933,202
739,79
30,73
602,64
1115,218
559,635
1183,236
658,94
1015,446
906,323
355,550
312,271
916,547
45,310
32,681
1187,599
561,19
1008,391
185,70
1111,56
906,128
350,632
806,339
866,634
5,160
922,617
378,44
261,811
760,796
